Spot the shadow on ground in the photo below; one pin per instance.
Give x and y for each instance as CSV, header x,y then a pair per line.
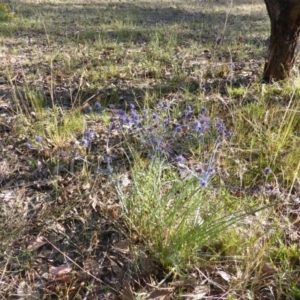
x,y
130,22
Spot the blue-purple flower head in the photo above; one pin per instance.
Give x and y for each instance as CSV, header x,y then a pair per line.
x,y
203,111
136,118
124,119
197,127
38,139
180,158
89,109
28,146
160,104
85,143
121,112
150,156
204,120
113,126
203,182
89,134
166,121
228,134
267,171
189,108
188,112
220,126
178,128
98,106
211,171
154,117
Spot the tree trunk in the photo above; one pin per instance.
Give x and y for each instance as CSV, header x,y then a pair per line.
x,y
285,28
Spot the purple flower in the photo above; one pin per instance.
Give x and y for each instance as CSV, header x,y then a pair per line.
x,y
89,134
203,182
123,119
136,118
154,117
188,115
221,129
150,156
160,104
211,170
28,146
38,139
131,106
228,134
178,129
204,120
180,158
166,121
121,112
267,171
89,109
197,126
220,126
98,106
113,126
203,111
84,143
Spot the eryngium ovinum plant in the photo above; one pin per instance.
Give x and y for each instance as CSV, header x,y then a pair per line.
x,y
173,204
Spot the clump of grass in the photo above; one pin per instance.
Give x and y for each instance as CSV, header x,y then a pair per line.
x,y
59,126
173,204
269,132
177,218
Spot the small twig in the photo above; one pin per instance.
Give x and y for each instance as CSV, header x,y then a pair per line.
x,y
209,280
1,123
91,98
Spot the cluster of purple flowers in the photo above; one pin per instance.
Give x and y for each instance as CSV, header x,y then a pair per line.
x,y
97,108
165,132
155,129
39,141
173,137
87,138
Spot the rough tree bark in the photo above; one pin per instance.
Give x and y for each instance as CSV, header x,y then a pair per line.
x,y
285,28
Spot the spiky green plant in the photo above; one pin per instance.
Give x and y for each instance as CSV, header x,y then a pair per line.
x,y
175,217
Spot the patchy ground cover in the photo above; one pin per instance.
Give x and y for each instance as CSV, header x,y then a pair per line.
x,y
141,158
